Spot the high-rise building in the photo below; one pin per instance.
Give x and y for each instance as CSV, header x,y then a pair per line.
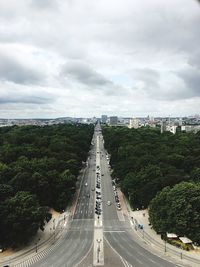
x,y
104,118
113,120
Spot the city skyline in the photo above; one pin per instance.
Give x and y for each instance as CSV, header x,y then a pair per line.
x,y
88,58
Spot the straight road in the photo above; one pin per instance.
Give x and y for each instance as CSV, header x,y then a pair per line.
x,y
77,239
117,228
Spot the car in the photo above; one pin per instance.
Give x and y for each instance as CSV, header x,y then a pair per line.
x,y
97,212
108,203
92,188
86,184
119,208
98,197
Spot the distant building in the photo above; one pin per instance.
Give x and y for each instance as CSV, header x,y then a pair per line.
x,y
171,128
113,120
134,123
163,126
104,118
190,128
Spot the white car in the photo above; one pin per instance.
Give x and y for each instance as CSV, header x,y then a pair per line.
x,y
108,203
119,206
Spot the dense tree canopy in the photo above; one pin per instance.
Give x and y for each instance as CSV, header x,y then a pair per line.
x,y
145,161
38,169
177,210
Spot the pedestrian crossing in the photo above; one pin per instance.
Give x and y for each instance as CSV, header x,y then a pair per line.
x,y
40,255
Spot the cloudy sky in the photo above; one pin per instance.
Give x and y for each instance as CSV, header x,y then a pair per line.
x,y
92,57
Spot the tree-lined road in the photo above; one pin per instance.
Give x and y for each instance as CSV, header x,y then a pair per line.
x,y
78,238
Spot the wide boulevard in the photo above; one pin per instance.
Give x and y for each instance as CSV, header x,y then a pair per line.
x,y
78,239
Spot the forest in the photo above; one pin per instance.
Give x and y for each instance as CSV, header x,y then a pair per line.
x,y
39,167
150,167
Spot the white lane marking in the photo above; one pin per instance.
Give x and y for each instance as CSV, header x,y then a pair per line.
x,y
139,261
126,264
114,231
152,261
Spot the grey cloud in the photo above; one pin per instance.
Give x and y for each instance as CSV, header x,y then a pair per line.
x,y
14,71
150,40
84,74
194,59
149,76
26,100
191,78
44,4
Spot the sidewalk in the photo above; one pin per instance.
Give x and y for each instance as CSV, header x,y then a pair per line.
x,y
140,224
41,241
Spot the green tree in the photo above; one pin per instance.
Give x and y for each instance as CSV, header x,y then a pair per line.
x,y
177,210
23,216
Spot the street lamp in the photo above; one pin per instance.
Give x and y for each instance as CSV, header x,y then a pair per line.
x,y
98,249
165,245
53,224
36,245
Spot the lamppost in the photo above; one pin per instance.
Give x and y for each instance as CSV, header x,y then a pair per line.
x,y
165,245
36,245
98,249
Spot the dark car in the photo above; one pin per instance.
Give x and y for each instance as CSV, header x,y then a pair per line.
x,y
97,212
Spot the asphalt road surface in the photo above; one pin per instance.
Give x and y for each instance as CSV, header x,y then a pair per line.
x,y
78,238
117,228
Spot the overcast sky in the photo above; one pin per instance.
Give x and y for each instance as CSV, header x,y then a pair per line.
x,y
85,58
